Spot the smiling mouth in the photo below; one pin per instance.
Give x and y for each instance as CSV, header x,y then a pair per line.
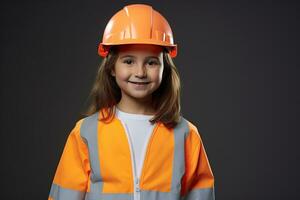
x,y
139,83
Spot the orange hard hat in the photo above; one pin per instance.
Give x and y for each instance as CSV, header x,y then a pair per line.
x,y
137,24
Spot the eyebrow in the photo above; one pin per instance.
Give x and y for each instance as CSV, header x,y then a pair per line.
x,y
131,56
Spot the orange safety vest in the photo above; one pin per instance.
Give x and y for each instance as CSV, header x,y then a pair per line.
x,y
96,164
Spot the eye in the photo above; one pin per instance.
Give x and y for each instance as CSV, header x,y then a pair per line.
x,y
153,62
128,61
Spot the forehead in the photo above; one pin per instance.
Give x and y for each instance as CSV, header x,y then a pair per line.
x,y
147,49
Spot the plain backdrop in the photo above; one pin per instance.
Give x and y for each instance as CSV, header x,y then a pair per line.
x,y
239,68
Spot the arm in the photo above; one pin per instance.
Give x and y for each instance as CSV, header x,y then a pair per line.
x,y
72,174
198,180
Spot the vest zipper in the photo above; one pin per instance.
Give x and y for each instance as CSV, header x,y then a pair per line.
x,y
137,189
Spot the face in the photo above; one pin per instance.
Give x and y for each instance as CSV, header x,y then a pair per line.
x,y
138,70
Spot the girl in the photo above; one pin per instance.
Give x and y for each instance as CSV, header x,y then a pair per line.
x,y
134,144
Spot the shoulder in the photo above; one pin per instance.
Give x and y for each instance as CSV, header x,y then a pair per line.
x,y
84,124
192,132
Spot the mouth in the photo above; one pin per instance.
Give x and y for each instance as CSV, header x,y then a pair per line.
x,y
139,83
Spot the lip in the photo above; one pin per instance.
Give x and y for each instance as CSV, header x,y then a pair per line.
x,y
138,82
139,85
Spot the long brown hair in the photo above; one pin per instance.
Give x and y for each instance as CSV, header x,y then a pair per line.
x,y
105,93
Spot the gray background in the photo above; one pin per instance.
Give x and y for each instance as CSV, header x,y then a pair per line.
x,y
239,67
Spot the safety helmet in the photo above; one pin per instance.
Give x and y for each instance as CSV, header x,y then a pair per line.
x,y
137,24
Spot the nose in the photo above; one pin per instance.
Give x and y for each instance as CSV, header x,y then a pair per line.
x,y
140,71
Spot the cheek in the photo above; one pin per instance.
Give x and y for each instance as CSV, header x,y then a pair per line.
x,y
157,75
122,75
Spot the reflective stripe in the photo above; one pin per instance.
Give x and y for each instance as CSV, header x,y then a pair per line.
x,y
95,196
89,133
180,133
59,193
154,195
200,194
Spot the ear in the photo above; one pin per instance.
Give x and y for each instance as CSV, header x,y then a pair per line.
x,y
112,72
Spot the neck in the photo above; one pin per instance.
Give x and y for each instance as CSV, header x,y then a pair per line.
x,y
136,106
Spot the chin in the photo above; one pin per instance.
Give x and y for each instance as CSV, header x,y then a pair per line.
x,y
140,96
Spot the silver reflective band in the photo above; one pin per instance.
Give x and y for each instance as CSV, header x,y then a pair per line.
x,y
180,133
89,133
59,193
200,194
95,196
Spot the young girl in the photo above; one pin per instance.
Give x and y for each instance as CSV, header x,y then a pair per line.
x,y
134,144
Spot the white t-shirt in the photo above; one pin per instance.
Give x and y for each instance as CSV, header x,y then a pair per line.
x,y
139,129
